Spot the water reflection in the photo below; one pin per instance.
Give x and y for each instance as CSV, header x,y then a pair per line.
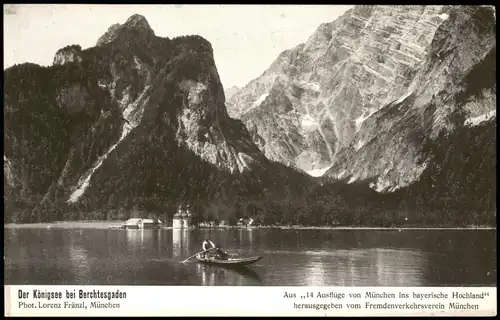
x,y
217,276
181,243
79,263
296,258
316,274
354,267
143,239
379,267
134,239
158,241
250,236
207,277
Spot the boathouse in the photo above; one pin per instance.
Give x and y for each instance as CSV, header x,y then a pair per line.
x,y
140,223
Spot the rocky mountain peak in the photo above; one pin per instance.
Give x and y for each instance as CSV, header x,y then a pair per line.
x,y
136,23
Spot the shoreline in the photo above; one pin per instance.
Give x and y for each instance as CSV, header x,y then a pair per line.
x,y
118,225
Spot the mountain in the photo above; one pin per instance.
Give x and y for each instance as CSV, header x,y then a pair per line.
x,y
362,97
136,123
231,91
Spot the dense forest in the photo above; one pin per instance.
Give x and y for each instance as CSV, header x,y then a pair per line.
x,y
463,163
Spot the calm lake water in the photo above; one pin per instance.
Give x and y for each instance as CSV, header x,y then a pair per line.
x,y
291,257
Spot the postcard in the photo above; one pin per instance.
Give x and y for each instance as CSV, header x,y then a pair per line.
x,y
255,160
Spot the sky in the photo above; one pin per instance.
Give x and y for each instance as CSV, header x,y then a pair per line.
x,y
246,39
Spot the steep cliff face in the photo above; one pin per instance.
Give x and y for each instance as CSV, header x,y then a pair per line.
x,y
361,95
388,146
137,120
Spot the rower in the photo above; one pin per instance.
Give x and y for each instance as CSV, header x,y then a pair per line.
x,y
207,245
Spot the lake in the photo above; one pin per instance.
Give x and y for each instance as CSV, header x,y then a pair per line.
x,y
290,257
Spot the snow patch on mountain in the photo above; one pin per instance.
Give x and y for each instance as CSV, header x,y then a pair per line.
x,y
366,114
132,113
444,16
308,121
352,179
260,100
318,172
359,144
474,121
244,162
314,86
341,174
403,98
84,183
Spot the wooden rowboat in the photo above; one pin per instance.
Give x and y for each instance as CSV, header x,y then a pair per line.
x,y
229,262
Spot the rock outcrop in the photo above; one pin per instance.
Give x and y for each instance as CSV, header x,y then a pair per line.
x,y
68,54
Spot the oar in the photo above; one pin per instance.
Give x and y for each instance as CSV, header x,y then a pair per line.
x,y
194,255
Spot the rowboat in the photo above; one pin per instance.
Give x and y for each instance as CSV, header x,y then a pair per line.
x,y
229,262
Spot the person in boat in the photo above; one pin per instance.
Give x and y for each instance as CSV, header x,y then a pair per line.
x,y
217,252
207,245
221,254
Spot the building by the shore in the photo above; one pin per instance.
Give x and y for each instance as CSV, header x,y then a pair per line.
x,y
183,219
140,223
245,222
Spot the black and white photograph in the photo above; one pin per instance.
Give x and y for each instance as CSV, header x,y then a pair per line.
x,y
250,145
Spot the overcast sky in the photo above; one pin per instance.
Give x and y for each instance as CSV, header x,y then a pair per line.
x,y
245,39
